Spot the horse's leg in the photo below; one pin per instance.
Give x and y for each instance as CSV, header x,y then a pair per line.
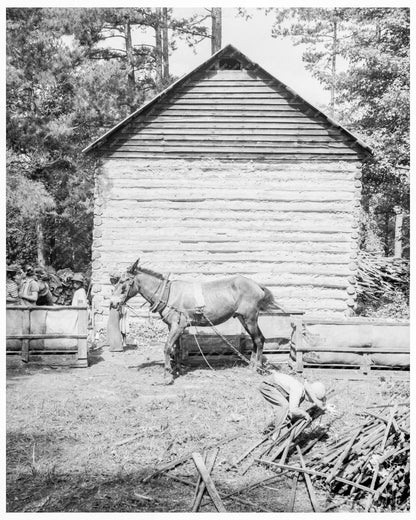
x,y
175,330
250,324
254,351
177,357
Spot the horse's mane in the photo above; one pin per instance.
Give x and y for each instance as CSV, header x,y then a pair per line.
x,y
146,270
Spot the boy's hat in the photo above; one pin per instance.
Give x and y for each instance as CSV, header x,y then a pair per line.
x,y
78,278
318,389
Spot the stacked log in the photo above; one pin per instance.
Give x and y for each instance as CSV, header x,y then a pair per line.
x,y
380,277
369,465
376,456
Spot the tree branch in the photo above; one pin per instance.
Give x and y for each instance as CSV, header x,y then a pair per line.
x,y
193,33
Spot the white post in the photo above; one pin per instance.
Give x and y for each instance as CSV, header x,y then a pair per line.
x,y
398,236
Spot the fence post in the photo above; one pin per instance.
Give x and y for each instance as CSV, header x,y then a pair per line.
x,y
82,359
26,330
298,344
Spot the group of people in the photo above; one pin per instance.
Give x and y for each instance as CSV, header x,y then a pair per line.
x,y
30,286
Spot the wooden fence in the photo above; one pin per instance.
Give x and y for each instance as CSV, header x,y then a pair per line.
x,y
276,327
349,342
47,335
352,342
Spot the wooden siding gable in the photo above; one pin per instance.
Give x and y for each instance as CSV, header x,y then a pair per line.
x,y
237,114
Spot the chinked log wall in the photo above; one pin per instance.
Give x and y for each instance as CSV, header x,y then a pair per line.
x,y
292,227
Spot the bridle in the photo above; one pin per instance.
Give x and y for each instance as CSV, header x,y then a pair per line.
x,y
131,282
124,300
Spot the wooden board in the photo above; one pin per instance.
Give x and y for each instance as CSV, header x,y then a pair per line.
x,y
56,335
256,102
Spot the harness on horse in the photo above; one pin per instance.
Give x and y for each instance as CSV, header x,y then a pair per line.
x,y
162,296
199,299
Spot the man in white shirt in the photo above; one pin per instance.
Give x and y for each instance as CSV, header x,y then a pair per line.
x,y
287,393
29,288
79,298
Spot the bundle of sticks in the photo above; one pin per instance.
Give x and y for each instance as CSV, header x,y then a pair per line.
x,y
368,465
380,277
374,457
279,443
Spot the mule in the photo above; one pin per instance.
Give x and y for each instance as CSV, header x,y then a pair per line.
x,y
179,306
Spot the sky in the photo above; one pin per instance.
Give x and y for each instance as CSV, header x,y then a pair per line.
x,y
253,38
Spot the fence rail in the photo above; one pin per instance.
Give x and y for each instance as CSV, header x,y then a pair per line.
x,y
47,335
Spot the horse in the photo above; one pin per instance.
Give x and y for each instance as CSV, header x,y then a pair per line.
x,y
182,303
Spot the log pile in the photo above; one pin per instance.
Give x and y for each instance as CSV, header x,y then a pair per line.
x,y
379,277
279,443
369,465
375,456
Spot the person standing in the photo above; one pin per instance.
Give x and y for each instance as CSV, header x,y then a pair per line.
x,y
286,393
12,288
29,289
123,324
79,298
44,295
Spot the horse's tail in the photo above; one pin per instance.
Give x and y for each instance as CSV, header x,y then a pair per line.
x,y
268,302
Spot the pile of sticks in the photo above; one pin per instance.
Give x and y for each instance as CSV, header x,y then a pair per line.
x,y
279,443
380,277
374,457
368,465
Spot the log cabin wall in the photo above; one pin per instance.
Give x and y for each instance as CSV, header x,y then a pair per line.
x,y
230,172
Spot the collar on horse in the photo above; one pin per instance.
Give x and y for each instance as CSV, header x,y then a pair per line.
x,y
161,296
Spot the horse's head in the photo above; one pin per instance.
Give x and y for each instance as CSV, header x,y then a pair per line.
x,y
126,287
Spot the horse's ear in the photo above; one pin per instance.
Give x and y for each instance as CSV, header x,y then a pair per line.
x,y
133,268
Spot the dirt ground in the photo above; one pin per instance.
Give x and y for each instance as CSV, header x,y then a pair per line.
x,y
81,440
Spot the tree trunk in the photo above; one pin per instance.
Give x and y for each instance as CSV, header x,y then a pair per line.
x,y
158,30
165,44
398,233
216,18
386,233
333,67
131,84
40,243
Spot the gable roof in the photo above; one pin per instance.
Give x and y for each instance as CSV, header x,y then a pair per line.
x,y
225,52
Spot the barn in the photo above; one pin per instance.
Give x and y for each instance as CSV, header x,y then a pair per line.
x,y
230,171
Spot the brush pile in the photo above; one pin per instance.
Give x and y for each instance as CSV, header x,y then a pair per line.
x,y
368,466
379,277
278,444
374,457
